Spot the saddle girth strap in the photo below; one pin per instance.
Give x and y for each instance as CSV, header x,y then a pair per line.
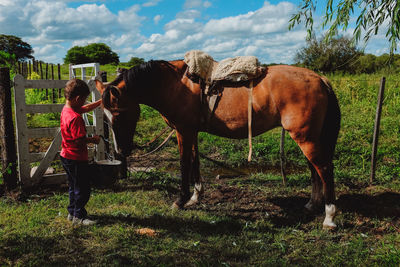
x,y
249,116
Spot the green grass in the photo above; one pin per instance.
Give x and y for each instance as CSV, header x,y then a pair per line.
x,y
246,217
35,231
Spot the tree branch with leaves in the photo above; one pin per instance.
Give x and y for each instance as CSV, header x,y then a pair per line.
x,y
374,15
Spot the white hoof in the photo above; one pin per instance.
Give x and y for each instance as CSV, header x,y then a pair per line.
x,y
329,225
191,202
197,194
330,211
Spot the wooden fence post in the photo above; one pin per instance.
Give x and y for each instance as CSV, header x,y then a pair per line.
x,y
7,137
41,70
282,157
29,68
59,77
34,65
376,129
53,94
47,77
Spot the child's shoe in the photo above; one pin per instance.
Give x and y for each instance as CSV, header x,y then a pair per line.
x,y
83,221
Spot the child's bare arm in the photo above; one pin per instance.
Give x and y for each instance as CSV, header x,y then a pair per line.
x,y
89,107
89,140
94,139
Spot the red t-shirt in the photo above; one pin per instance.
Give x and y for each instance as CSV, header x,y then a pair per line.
x,y
73,128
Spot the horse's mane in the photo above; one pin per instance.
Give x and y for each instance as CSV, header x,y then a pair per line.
x,y
140,75
137,76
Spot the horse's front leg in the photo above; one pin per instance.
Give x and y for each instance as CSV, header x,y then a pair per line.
x,y
195,176
185,143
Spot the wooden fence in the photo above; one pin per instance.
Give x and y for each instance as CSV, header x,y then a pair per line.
x,y
46,71
23,133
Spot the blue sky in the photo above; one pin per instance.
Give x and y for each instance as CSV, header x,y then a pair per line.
x,y
161,29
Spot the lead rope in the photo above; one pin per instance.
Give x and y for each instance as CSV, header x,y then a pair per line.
x,y
249,111
159,146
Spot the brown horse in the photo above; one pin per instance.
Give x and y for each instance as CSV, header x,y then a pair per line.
x,y
297,99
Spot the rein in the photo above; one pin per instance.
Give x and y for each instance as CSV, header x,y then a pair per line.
x,y
158,147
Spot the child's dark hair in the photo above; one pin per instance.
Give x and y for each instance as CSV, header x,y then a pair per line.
x,y
76,87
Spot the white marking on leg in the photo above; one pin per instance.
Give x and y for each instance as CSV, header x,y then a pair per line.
x,y
330,211
197,193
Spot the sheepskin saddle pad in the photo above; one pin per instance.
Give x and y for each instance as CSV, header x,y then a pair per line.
x,y
242,68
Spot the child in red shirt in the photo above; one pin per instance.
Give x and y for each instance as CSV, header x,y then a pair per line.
x,y
74,153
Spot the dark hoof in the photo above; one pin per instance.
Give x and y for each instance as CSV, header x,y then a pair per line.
x,y
314,207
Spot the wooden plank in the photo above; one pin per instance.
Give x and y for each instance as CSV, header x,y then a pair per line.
x,y
21,129
48,132
45,83
87,65
42,132
48,158
44,108
35,157
54,179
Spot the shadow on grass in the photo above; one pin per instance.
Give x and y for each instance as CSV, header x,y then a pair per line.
x,y
33,250
176,224
382,205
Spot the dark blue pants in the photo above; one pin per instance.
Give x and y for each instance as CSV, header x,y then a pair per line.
x,y
78,174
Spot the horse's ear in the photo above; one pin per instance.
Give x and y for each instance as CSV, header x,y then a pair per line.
x,y
100,86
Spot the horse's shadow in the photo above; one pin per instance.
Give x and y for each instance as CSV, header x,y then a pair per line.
x,y
175,224
289,211
381,206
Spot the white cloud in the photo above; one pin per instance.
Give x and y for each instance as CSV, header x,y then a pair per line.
x,y
207,4
151,3
157,18
44,22
192,3
262,33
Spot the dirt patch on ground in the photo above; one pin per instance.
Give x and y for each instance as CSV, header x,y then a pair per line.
x,y
375,214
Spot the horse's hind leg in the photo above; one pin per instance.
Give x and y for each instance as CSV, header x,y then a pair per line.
x,y
195,177
316,201
323,165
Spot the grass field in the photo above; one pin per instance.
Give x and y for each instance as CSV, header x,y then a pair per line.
x,y
246,217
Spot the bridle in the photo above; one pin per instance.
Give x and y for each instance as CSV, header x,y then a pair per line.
x,y
114,91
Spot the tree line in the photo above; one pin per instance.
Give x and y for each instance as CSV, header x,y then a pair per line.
x,y
336,55
341,55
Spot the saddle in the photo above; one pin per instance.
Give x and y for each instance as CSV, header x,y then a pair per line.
x,y
203,69
213,76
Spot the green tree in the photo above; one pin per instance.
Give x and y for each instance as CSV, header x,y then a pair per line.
x,y
339,54
76,55
96,52
13,45
135,61
373,15
366,64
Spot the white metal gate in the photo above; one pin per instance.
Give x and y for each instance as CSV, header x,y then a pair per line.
x,y
23,133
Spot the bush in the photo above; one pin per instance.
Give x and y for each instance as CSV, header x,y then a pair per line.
x,y
337,55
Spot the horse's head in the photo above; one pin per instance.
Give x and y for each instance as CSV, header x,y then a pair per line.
x,y
122,111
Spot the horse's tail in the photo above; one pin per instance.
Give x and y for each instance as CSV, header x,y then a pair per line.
x,y
331,126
